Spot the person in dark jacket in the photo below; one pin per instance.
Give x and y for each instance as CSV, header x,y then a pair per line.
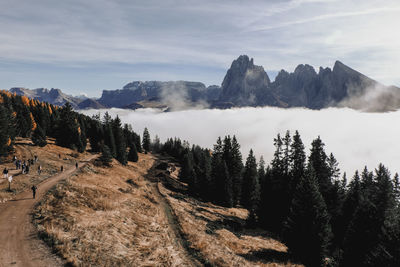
x,y
34,188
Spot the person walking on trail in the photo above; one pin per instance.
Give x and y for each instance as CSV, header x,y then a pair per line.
x,y
27,169
62,168
5,173
76,165
39,169
34,188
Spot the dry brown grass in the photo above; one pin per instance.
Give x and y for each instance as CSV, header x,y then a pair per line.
x,y
97,218
220,236
48,158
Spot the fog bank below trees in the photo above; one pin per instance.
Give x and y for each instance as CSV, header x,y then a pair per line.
x,y
355,138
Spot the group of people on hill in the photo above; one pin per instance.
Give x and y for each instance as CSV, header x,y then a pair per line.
x,y
25,166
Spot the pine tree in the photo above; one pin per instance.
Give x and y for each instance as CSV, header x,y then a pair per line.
x,y
146,140
368,238
251,187
120,145
278,202
204,175
187,168
228,187
133,154
235,171
96,134
261,169
39,137
67,128
106,156
297,159
109,139
5,130
156,145
216,172
350,205
308,221
23,119
318,160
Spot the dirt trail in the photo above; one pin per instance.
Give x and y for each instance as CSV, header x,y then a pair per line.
x,y
19,245
191,254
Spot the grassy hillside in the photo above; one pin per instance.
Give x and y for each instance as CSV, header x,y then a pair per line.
x,y
136,215
109,217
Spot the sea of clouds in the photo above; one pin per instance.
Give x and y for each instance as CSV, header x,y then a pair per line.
x,y
357,139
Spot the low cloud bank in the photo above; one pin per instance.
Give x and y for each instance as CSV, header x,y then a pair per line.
x,y
355,138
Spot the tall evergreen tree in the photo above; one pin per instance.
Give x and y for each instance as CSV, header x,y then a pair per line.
x,y
106,156
318,160
109,139
308,221
297,159
228,187
67,128
216,172
235,171
120,145
133,154
39,137
187,168
368,241
251,187
146,140
6,129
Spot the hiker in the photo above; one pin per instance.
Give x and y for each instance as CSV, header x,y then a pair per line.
x,y
34,188
18,164
62,168
14,158
27,169
39,169
5,173
36,158
76,165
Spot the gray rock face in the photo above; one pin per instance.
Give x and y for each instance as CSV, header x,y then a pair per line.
x,y
243,82
90,104
163,92
52,96
248,85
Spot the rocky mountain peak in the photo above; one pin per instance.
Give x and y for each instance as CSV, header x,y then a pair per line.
x,y
305,70
242,81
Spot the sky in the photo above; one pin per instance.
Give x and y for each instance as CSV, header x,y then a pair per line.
x,y
355,138
83,47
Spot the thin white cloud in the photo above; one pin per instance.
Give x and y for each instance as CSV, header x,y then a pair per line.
x,y
85,34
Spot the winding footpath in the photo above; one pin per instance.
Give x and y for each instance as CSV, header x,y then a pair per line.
x,y
19,244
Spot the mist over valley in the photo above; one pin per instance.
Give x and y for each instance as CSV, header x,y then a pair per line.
x,y
356,139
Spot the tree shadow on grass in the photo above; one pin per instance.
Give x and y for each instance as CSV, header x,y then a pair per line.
x,y
268,256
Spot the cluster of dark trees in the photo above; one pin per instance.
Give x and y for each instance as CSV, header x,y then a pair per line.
x,y
20,116
303,200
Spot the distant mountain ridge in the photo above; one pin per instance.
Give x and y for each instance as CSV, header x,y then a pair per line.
x,y
245,84
52,96
169,92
